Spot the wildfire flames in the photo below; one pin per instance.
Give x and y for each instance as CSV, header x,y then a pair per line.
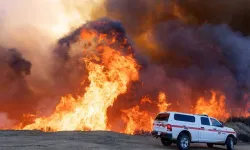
x,y
109,73
216,107
213,107
107,79
112,68
137,120
140,120
162,105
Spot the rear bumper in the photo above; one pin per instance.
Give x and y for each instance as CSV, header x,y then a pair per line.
x,y
162,135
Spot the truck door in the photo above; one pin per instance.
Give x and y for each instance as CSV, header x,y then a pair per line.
x,y
220,136
206,133
185,122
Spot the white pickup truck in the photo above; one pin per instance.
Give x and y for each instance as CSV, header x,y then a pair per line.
x,y
183,129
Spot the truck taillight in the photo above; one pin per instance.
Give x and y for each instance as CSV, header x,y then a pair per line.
x,y
169,127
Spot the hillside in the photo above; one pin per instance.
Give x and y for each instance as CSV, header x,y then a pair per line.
x,y
243,131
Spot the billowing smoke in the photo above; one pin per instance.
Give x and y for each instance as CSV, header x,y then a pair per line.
x,y
32,74
15,93
192,47
235,15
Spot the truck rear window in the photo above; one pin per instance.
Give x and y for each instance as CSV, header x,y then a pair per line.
x,y
162,117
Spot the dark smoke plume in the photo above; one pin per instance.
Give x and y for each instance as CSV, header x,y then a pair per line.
x,y
150,12
192,47
15,93
17,63
235,14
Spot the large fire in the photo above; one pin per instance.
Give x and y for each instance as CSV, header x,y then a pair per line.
x,y
137,120
112,68
107,79
214,107
140,120
162,105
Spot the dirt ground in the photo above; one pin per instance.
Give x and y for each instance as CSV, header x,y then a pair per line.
x,y
32,140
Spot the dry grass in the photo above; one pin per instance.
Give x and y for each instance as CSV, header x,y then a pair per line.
x,y
243,130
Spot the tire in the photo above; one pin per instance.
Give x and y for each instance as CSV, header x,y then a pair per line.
x,y
183,141
210,145
230,143
166,142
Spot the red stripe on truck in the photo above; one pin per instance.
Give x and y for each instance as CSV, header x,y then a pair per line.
x,y
195,128
212,130
229,132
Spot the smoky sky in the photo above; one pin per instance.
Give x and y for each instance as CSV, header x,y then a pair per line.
x,y
199,45
149,12
185,49
233,13
14,87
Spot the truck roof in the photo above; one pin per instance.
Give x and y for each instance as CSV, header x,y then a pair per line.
x,y
205,115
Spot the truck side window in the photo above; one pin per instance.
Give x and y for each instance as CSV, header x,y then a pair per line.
x,y
215,123
186,118
205,121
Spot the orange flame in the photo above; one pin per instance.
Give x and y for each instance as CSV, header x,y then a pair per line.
x,y
145,100
162,104
141,120
215,107
109,73
136,119
107,80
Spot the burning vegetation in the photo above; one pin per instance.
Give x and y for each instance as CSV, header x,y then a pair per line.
x,y
110,75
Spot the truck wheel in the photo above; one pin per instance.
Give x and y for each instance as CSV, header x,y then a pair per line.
x,y
166,142
230,143
210,145
183,141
